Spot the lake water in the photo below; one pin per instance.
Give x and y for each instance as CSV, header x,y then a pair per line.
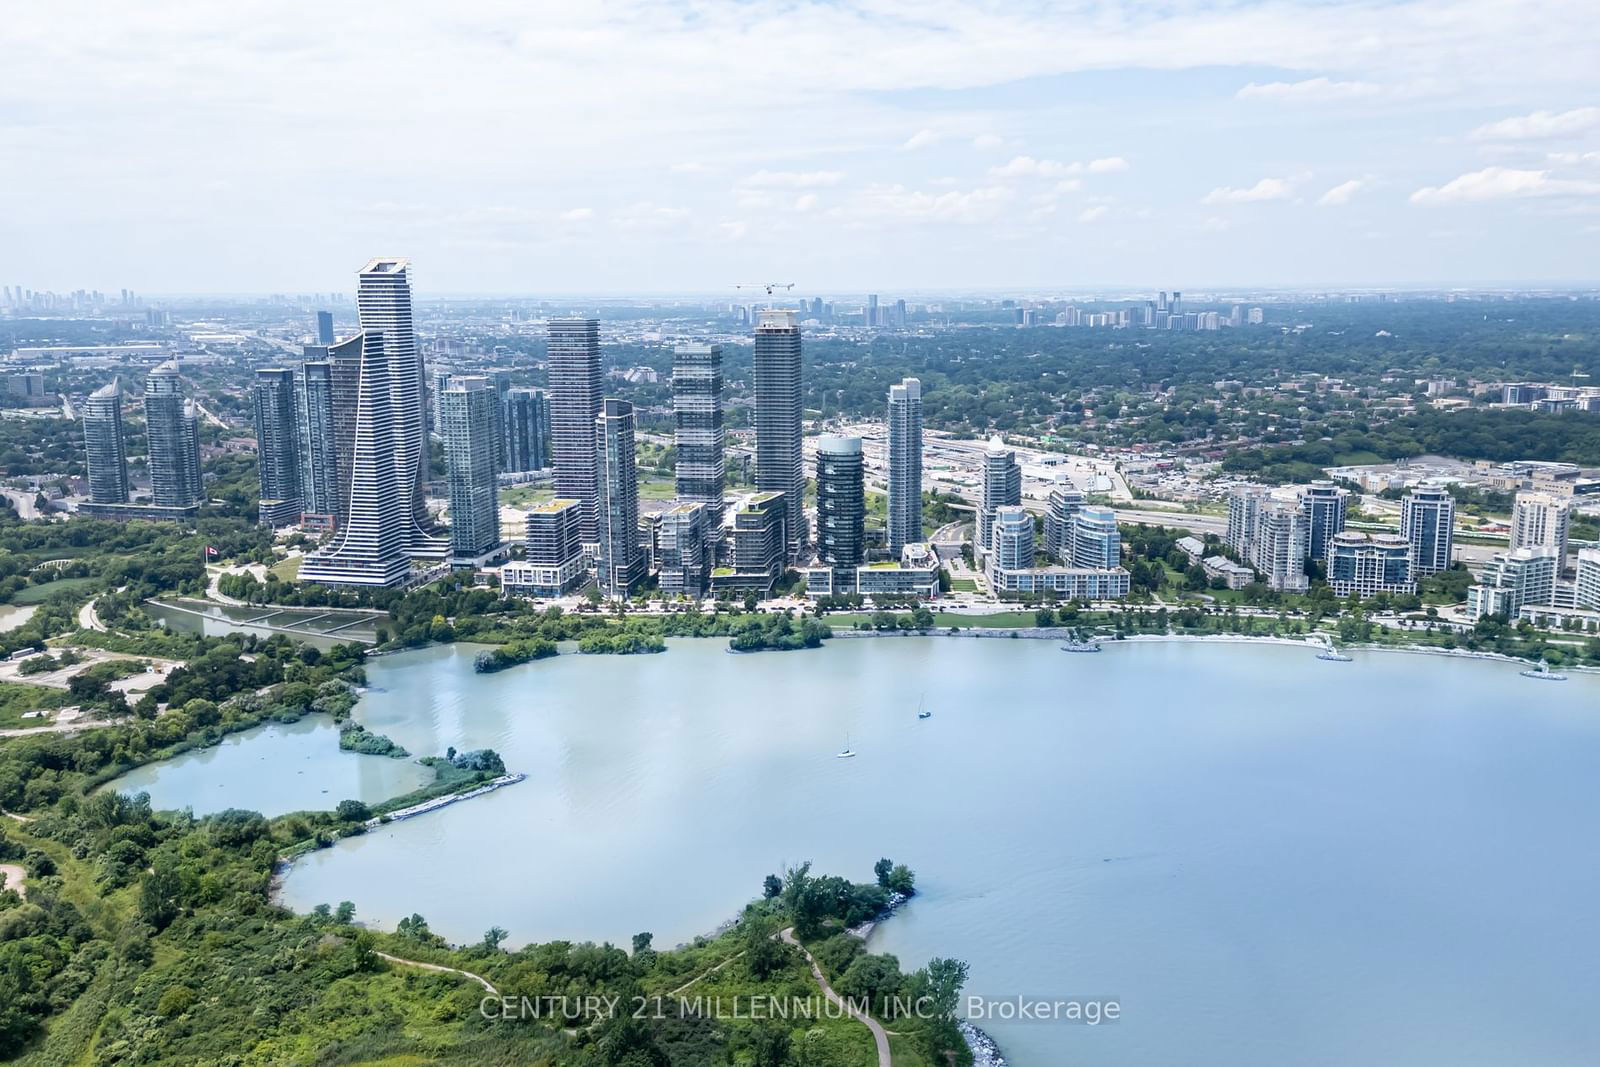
x,y
1264,858
274,769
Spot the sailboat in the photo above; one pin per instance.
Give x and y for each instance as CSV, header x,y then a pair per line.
x,y
922,712
848,753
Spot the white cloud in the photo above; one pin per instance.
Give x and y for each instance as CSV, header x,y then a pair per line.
x,y
985,141
733,231
1310,91
1029,167
1541,125
690,166
793,179
577,214
1503,183
1214,224
1263,190
1342,193
897,203
920,139
1070,185
1093,214
805,201
1575,159
648,216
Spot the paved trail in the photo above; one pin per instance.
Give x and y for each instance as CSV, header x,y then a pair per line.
x,y
438,967
879,1035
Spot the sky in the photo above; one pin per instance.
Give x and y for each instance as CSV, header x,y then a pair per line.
x,y
884,145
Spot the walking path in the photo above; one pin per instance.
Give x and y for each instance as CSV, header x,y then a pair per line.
x,y
11,877
706,974
88,620
879,1035
442,969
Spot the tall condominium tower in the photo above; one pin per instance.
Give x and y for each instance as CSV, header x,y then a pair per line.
x,y
1095,540
777,385
619,563
697,430
327,387
383,303
102,438
173,432
574,369
527,430
324,327
1324,505
1002,488
278,452
467,423
371,546
1541,520
1012,547
1279,545
1427,520
905,464
1065,501
841,502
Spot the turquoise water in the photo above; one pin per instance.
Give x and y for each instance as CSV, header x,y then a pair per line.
x,y
1264,858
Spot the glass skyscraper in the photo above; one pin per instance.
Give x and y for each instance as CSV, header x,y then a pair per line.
x,y
106,446
619,564
277,450
173,432
905,464
574,371
698,434
467,423
776,373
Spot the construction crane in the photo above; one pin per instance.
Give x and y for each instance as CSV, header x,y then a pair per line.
x,y
768,286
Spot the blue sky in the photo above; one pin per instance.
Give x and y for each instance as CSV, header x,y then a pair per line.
x,y
889,145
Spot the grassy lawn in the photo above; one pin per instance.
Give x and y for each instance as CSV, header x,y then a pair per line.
x,y
963,585
38,594
287,569
657,489
525,496
18,697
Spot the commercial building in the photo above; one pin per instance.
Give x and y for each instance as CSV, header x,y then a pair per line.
x,y
1365,566
841,502
172,430
467,424
776,375
277,447
1002,488
619,565
574,371
905,464
526,419
684,560
1324,504
697,433
554,564
916,574
1513,579
107,448
1428,522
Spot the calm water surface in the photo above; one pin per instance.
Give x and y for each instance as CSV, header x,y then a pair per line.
x,y
1266,858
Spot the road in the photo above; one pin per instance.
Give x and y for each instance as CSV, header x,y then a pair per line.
x,y
88,620
879,1036
1182,520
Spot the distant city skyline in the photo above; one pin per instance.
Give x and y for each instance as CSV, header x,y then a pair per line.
x,y
852,146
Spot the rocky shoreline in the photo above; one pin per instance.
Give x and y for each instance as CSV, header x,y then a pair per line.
x,y
985,1053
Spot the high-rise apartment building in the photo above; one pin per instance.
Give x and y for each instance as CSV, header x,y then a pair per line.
x,y
1324,504
383,304
107,449
698,434
1011,547
776,374
527,430
619,565
1586,591
371,545
324,327
327,387
758,545
467,423
1511,579
277,447
554,564
1366,566
1279,546
1061,509
1096,544
685,563
574,370
1428,522
841,502
1244,504
1542,520
905,464
173,432
1002,488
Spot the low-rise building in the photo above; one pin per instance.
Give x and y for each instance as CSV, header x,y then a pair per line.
x,y
555,563
1513,579
916,574
1234,575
